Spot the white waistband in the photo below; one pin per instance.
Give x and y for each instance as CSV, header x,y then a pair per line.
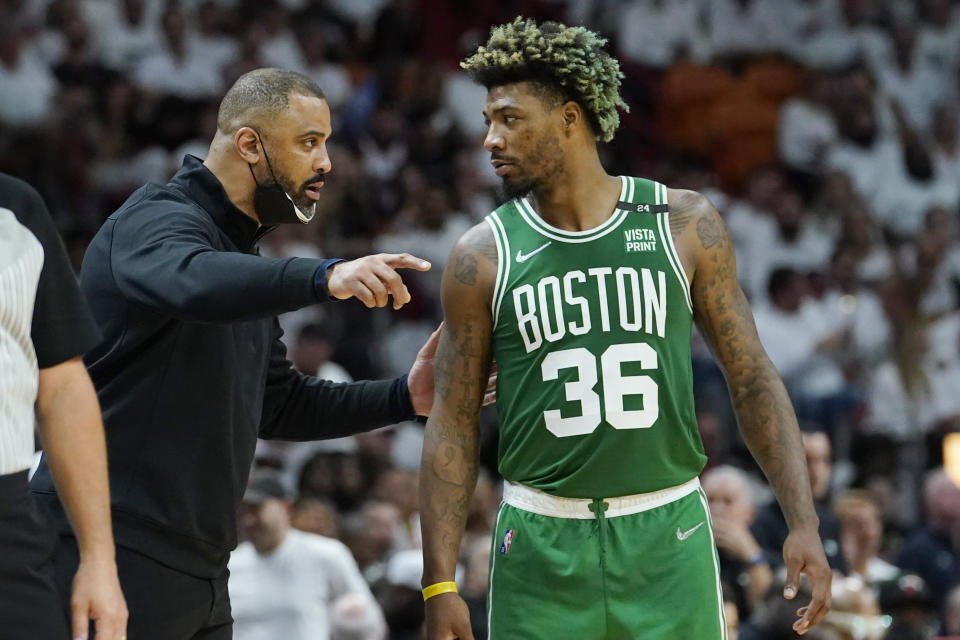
x,y
544,504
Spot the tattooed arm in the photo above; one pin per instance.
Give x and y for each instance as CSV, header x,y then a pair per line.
x,y
764,411
448,472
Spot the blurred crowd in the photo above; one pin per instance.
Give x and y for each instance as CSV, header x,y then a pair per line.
x,y
826,132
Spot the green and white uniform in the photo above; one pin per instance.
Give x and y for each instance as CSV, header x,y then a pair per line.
x,y
595,398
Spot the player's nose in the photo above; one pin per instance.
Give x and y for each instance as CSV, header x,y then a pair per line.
x,y
493,140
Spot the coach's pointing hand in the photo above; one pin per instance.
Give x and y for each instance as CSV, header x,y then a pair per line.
x,y
373,278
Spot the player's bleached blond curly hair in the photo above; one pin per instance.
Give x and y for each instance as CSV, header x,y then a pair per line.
x,y
569,61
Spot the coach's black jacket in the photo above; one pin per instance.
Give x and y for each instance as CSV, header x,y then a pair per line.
x,y
191,369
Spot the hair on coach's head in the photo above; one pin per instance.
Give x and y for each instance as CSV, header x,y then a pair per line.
x,y
261,94
565,63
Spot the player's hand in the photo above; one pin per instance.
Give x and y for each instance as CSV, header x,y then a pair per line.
x,y
97,597
448,618
420,378
372,279
803,553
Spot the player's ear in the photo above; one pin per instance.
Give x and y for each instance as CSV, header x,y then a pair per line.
x,y
572,116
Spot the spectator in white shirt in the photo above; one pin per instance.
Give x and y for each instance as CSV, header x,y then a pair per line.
x,y
847,303
854,37
280,47
461,95
369,532
863,151
909,79
284,582
861,536
803,20
938,45
743,26
930,263
651,32
750,222
915,390
27,87
128,37
804,345
802,240
806,128
331,76
209,41
946,141
861,234
384,148
177,69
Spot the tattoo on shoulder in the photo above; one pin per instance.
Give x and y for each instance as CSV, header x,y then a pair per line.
x,y
480,240
687,206
683,209
465,268
709,232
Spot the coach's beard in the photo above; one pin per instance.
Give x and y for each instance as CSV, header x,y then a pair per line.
x,y
272,202
273,205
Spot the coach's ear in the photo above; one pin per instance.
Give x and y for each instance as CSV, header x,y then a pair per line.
x,y
247,143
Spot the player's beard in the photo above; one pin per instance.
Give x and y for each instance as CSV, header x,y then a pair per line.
x,y
516,188
545,163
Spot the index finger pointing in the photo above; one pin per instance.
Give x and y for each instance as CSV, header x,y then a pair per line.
x,y
405,261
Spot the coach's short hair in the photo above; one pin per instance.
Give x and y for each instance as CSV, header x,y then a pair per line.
x,y
260,95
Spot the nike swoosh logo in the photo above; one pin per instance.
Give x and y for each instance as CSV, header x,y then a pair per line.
x,y
683,535
523,258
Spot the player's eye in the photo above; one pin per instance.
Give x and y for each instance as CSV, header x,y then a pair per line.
x,y
510,119
310,142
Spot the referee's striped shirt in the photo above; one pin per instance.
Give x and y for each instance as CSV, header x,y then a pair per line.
x,y
21,260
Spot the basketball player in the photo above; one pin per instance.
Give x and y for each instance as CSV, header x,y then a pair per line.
x,y
584,288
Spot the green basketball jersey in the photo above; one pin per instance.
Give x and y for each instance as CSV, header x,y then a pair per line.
x,y
592,340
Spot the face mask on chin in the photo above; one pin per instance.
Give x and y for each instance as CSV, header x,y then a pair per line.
x,y
272,204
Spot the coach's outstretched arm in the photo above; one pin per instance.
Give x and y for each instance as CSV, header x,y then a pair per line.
x,y
174,269
764,412
448,473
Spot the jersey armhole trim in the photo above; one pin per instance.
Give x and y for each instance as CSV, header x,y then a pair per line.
x,y
503,265
663,225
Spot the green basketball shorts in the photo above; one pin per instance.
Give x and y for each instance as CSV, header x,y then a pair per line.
x,y
635,567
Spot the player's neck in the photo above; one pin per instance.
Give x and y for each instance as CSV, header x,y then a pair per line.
x,y
581,197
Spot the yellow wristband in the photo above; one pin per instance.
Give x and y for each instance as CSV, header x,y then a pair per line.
x,y
438,588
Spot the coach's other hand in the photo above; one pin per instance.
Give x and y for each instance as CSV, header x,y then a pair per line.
x,y
448,618
372,279
803,553
97,598
421,377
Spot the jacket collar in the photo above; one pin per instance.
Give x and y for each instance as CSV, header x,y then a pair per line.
x,y
206,189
